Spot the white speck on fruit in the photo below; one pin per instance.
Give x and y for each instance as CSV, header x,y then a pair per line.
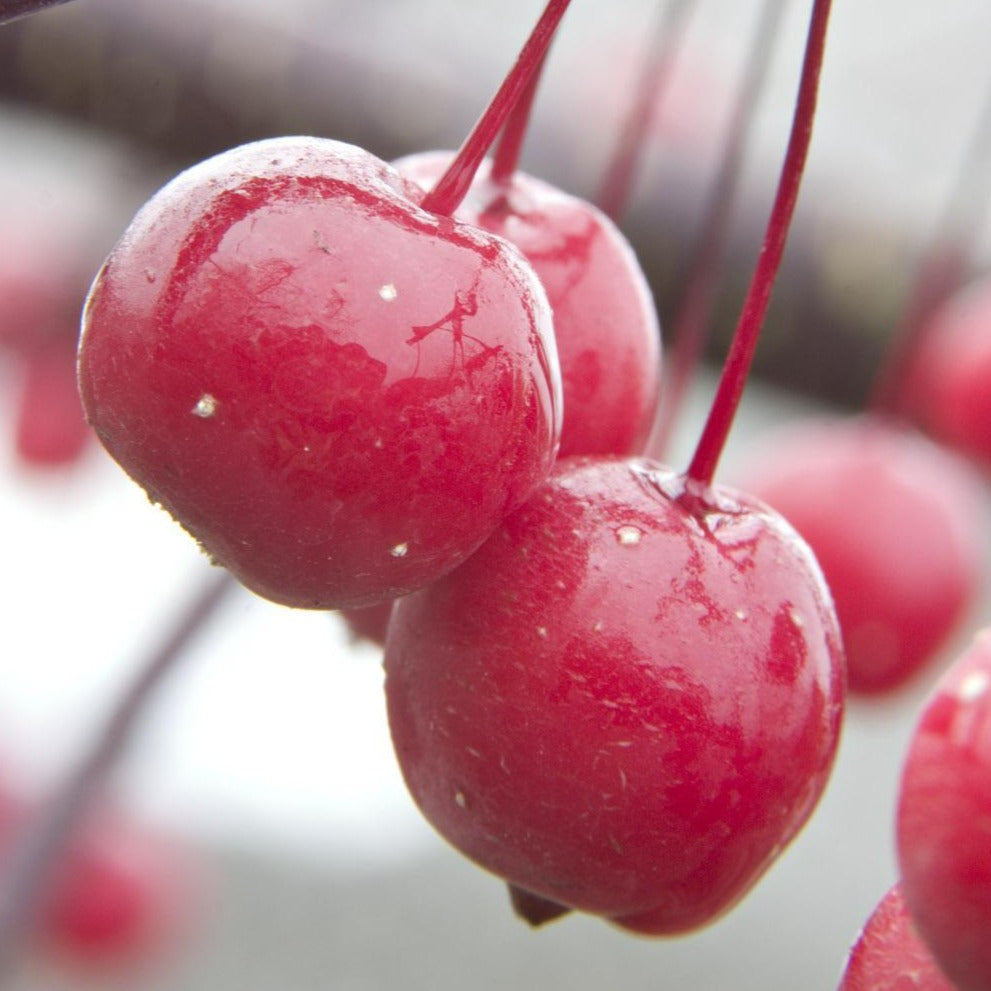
x,y
459,800
205,406
974,686
741,614
388,292
797,618
151,274
629,536
542,632
399,550
598,626
378,444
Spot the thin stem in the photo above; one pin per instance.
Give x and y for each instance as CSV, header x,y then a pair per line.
x,y
944,263
11,10
506,157
741,353
698,299
453,185
617,182
36,853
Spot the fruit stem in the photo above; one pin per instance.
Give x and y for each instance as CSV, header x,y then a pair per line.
x,y
11,10
36,852
506,157
617,182
698,298
741,352
944,262
452,187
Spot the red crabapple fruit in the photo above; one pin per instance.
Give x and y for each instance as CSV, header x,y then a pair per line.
x,y
894,520
944,820
121,898
50,428
627,701
338,394
889,955
947,384
605,323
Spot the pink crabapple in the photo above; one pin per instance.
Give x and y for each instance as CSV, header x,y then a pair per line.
x,y
947,383
50,428
627,701
337,393
944,820
605,323
896,523
120,898
889,955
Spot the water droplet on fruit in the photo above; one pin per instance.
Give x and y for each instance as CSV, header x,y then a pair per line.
x,y
399,550
974,686
388,292
205,406
628,535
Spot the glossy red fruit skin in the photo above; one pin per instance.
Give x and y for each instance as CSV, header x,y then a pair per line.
x,y
896,523
889,955
605,322
339,395
944,820
947,384
627,701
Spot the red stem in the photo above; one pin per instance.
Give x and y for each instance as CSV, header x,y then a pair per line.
x,y
698,299
741,353
617,183
506,156
453,185
944,264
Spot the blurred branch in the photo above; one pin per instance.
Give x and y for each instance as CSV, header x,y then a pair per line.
x,y
10,10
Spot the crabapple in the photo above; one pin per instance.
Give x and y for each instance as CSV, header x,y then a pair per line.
x,y
605,323
889,955
627,701
947,383
896,523
120,898
944,820
50,428
338,394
